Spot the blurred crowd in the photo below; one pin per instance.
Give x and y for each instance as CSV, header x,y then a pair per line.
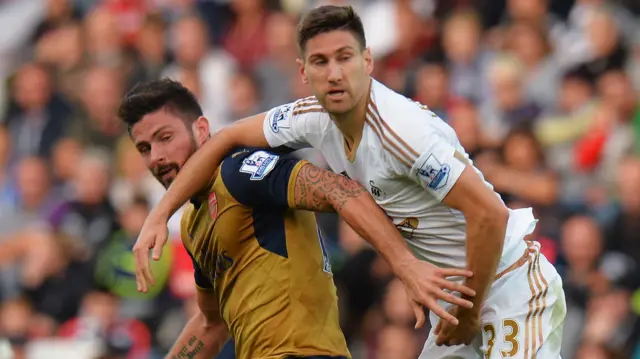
x,y
542,93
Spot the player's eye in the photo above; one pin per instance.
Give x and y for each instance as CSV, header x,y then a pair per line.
x,y
320,62
165,138
143,150
344,58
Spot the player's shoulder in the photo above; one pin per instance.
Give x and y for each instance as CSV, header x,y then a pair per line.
x,y
281,117
403,123
251,163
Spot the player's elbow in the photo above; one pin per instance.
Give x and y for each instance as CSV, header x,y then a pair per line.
x,y
493,215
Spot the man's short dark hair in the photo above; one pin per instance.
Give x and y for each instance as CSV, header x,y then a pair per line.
x,y
330,18
165,94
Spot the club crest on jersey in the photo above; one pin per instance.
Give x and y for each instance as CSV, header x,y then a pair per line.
x,y
213,206
259,164
278,118
433,173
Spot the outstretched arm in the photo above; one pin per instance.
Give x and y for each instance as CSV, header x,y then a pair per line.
x,y
324,191
199,169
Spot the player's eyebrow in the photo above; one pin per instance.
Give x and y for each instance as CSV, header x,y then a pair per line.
x,y
321,55
162,128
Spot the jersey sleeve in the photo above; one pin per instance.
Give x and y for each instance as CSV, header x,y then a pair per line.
x,y
423,148
293,125
438,166
202,282
261,178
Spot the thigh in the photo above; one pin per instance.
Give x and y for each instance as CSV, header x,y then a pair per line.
x,y
523,317
228,350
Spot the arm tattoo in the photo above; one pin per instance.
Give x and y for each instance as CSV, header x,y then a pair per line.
x,y
191,350
323,191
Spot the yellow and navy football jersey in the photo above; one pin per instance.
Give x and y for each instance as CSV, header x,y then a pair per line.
x,y
266,262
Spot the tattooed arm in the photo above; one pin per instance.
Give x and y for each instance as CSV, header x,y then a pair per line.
x,y
324,191
205,334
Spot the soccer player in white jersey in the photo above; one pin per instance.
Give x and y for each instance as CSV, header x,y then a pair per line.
x,y
416,169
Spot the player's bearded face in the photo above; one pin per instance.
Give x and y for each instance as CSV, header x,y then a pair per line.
x,y
166,173
165,143
337,70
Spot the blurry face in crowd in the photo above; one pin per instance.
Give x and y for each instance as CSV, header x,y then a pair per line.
x,y
280,31
92,180
464,120
617,90
32,87
461,37
337,69
581,242
66,154
191,41
574,93
33,181
527,43
101,93
243,95
133,218
520,152
166,142
431,85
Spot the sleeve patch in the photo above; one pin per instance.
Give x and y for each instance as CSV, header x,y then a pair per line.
x,y
259,164
280,118
433,173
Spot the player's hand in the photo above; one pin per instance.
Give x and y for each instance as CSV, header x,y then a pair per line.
x,y
426,283
463,333
154,236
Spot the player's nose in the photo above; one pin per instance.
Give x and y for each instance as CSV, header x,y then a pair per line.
x,y
157,157
335,72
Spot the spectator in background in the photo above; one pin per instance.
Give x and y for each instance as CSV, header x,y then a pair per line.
x,y
62,50
530,45
508,108
37,117
151,53
96,123
432,88
246,37
214,68
465,56
278,68
608,52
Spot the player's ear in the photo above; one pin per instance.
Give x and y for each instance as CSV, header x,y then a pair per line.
x,y
368,60
201,130
303,73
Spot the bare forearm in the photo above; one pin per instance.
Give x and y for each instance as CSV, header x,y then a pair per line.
x,y
324,191
365,217
199,169
198,340
485,240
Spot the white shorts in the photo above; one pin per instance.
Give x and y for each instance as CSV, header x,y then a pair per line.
x,y
522,316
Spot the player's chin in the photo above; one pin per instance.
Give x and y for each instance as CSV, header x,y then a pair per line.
x,y
338,107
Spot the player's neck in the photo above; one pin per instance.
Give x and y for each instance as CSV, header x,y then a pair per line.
x,y
351,124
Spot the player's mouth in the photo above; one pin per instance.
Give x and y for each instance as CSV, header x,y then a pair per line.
x,y
336,94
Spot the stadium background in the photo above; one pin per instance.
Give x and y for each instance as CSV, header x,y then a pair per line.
x,y
542,93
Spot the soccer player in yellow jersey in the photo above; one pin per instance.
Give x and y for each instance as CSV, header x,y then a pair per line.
x,y
261,267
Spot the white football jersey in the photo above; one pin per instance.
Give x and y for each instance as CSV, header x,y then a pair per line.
x,y
408,158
